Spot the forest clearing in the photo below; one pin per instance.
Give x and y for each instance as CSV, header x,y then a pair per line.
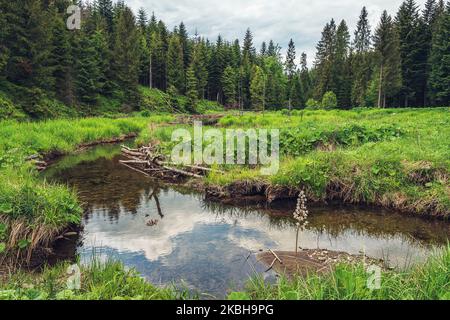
x,y
140,162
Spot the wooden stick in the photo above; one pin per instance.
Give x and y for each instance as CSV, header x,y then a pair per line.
x,y
135,169
134,161
182,172
271,265
276,257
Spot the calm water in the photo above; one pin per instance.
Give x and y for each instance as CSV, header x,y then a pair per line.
x,y
209,247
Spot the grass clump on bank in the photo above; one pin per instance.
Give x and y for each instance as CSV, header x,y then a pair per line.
x,y
430,281
99,281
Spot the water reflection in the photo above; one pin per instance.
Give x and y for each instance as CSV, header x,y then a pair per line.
x,y
207,246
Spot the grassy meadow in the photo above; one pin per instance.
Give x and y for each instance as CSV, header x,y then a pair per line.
x,y
395,158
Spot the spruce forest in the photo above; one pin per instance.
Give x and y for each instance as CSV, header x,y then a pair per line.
x,y
403,61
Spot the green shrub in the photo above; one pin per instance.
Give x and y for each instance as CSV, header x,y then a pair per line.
x,y
312,104
329,100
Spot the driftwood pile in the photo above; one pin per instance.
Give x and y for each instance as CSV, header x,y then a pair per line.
x,y
149,162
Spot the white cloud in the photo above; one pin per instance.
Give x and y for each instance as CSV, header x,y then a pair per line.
x,y
300,20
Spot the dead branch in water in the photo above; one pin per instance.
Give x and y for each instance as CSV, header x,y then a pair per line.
x,y
147,161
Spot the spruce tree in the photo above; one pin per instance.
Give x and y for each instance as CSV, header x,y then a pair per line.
x,y
276,83
126,55
296,92
216,67
439,82
361,60
142,20
87,71
62,60
191,88
290,65
29,42
341,70
175,64
411,52
324,62
248,50
4,30
263,50
105,8
229,83
386,45
184,38
257,89
305,78
200,65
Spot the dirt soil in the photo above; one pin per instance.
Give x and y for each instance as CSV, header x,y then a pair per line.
x,y
310,260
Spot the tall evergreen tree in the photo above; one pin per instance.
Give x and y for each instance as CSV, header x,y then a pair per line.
x,y
439,82
4,30
105,8
386,45
126,55
191,88
276,83
184,38
175,64
29,44
200,65
62,60
361,60
248,50
257,88
412,53
229,83
324,62
341,69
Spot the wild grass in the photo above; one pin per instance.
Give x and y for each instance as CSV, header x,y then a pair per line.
x,y
430,281
108,280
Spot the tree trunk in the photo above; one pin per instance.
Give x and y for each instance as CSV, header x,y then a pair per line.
x,y
150,73
380,86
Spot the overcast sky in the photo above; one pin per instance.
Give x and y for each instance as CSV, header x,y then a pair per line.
x,y
279,20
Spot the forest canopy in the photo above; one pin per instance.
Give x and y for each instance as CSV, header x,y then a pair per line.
x,y
403,61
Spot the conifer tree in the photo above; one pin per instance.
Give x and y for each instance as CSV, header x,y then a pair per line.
x,y
200,65
296,94
175,64
257,89
191,88
229,83
325,60
276,83
386,45
439,82
62,60
126,55
4,30
184,38
341,69
248,50
361,60
411,52
305,78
